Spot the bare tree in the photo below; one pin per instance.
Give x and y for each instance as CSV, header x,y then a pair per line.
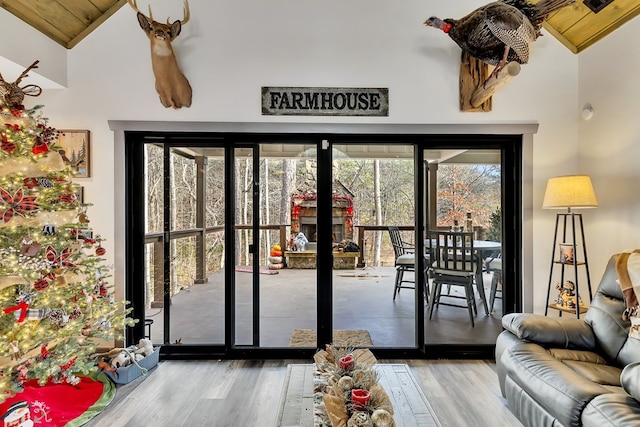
x,y
288,186
238,209
245,209
377,236
267,213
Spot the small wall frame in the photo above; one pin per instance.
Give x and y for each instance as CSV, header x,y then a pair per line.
x,y
74,149
80,193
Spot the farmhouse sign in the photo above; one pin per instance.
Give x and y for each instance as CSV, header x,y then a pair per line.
x,y
325,101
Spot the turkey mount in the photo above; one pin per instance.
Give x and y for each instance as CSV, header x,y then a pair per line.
x,y
498,33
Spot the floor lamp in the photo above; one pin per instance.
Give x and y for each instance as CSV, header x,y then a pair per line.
x,y
567,192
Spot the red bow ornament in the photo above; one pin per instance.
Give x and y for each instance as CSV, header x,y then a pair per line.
x,y
61,260
67,198
30,182
23,300
7,145
19,204
23,306
40,147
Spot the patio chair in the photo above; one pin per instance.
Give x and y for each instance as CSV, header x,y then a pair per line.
x,y
405,260
494,266
453,263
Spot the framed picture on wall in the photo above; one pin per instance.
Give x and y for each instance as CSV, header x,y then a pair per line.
x,y
84,234
74,149
80,193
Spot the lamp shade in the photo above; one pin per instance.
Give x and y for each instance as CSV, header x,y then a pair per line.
x,y
571,191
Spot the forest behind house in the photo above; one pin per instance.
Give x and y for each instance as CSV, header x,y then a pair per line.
x,y
383,194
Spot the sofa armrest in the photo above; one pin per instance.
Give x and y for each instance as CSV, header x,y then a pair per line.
x,y
630,380
559,332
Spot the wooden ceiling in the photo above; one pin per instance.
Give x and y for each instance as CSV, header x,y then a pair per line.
x,y
69,21
578,26
64,21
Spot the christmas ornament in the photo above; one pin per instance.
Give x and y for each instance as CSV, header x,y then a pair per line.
x,y
49,230
29,247
23,300
76,313
102,290
7,145
40,147
19,204
58,317
61,260
100,251
41,285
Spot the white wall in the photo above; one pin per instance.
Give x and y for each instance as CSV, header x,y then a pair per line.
x,y
610,142
22,46
230,49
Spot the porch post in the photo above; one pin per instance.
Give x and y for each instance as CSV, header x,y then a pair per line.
x,y
201,203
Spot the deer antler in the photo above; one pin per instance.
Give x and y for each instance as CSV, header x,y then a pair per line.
x,y
185,12
24,73
12,95
134,5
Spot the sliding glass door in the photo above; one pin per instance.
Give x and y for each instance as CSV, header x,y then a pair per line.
x,y
466,191
275,187
184,245
278,245
374,297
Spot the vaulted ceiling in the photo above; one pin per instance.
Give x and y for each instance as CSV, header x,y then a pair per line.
x,y
65,21
69,21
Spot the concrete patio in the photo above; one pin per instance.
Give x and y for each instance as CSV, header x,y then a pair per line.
x,y
362,299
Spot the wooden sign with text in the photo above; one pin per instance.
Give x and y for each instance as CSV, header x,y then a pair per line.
x,y
325,101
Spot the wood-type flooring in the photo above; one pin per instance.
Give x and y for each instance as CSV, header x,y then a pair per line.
x,y
242,393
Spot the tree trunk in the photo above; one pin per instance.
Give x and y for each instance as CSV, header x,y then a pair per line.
x,y
245,209
288,187
377,240
173,222
267,213
238,216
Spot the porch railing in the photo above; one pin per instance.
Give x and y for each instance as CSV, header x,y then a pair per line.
x,y
155,272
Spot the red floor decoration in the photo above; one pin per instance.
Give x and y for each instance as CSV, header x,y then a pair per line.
x,y
56,405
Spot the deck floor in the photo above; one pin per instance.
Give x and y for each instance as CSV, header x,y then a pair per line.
x,y
362,299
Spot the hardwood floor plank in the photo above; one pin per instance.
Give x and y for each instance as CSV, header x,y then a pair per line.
x,y
221,379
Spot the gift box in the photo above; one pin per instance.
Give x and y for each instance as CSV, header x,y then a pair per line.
x,y
129,373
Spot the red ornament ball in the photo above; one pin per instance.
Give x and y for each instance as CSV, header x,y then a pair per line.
x,y
103,291
100,251
41,285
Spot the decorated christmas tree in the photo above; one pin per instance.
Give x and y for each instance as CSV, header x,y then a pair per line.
x,y
55,300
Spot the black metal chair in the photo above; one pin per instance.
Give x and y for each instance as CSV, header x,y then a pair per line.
x,y
494,266
405,260
454,263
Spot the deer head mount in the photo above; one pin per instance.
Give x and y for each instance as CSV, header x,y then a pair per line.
x,y
172,86
12,95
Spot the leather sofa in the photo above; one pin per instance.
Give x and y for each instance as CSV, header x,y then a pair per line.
x,y
563,371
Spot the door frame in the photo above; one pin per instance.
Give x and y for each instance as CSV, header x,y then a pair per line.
x,y
126,177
